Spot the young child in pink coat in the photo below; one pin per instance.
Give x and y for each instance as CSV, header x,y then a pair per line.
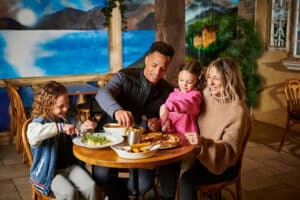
x,y
178,114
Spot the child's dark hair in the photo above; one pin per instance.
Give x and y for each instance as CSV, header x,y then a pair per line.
x,y
45,97
195,68
163,48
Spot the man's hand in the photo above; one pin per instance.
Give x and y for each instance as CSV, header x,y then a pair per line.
x,y
124,118
154,124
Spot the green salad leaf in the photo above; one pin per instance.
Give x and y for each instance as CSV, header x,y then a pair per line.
x,y
94,139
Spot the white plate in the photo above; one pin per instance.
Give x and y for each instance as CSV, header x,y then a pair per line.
x,y
114,140
130,155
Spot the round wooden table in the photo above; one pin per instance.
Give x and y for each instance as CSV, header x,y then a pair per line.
x,y
106,157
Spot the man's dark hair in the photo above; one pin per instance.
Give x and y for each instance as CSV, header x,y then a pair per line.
x,y
163,48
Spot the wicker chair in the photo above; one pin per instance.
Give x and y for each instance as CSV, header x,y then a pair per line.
x,y
17,115
36,195
85,109
95,110
292,94
103,81
215,188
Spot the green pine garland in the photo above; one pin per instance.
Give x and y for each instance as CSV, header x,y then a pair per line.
x,y
245,49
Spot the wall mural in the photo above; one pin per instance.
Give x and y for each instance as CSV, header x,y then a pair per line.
x,y
58,37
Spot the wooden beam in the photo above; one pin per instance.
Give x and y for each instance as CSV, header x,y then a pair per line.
x,y
115,40
61,79
170,28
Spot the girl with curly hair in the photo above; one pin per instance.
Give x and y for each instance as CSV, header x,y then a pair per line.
x,y
54,168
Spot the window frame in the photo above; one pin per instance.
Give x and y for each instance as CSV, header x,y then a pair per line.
x,y
292,60
287,32
296,40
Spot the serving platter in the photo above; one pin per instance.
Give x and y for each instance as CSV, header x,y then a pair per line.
x,y
165,140
124,152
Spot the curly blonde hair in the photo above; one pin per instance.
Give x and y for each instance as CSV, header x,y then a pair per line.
x,y
230,75
45,98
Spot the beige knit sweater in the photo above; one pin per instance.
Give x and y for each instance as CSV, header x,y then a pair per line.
x,y
222,129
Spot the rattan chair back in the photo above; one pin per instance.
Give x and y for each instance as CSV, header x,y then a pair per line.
x,y
292,94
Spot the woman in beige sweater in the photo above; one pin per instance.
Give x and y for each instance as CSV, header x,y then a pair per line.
x,y
222,124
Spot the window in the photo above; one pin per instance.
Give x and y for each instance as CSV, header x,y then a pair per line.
x,y
279,24
297,32
285,31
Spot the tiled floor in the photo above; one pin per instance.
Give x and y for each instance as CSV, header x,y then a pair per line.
x,y
266,174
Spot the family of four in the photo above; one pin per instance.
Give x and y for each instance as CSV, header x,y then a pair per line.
x,y
213,119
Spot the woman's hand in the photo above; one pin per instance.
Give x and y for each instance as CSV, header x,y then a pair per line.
x,y
153,124
193,138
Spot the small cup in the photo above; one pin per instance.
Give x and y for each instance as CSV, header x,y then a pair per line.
x,y
134,137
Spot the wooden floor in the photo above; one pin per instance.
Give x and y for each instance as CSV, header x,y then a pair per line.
x,y
267,174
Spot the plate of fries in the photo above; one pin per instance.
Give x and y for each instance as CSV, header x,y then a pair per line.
x,y
136,151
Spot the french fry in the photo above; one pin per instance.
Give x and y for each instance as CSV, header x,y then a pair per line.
x,y
136,150
137,145
143,149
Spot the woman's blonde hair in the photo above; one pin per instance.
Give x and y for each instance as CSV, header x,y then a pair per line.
x,y
45,98
230,75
